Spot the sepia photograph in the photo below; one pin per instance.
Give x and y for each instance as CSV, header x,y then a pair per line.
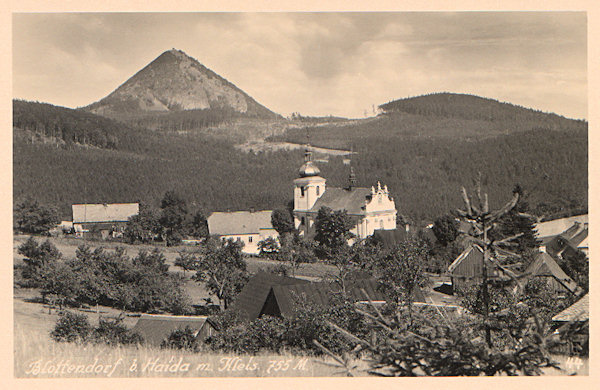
x,y
300,194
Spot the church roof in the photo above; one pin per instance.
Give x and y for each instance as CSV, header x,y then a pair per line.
x,y
343,199
239,222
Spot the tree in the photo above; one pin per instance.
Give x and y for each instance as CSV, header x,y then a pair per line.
x,y
222,269
143,227
576,264
282,221
332,230
401,272
199,225
186,261
269,246
173,217
36,257
445,229
295,251
33,218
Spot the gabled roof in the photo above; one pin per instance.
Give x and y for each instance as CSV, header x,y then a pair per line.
x,y
390,238
352,200
112,212
287,292
155,328
545,265
239,222
251,299
468,254
579,311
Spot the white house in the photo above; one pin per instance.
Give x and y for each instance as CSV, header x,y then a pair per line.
x,y
103,219
247,227
370,208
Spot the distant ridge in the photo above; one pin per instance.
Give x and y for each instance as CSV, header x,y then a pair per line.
x,y
466,106
175,82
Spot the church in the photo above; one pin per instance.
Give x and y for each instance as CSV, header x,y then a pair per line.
x,y
370,208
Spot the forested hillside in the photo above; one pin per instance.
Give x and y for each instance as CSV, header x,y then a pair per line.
x,y
423,159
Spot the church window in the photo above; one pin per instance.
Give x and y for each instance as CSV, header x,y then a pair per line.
x,y
318,190
301,191
302,222
381,223
249,239
380,199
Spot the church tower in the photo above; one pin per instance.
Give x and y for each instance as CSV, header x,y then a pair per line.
x,y
307,189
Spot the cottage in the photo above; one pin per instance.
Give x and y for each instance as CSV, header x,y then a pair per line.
x,y
569,242
246,227
370,208
279,296
102,220
156,328
544,267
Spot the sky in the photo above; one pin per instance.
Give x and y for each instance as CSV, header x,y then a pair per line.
x,y
338,64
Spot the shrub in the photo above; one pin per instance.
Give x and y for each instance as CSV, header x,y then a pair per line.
x,y
182,339
71,327
33,218
115,333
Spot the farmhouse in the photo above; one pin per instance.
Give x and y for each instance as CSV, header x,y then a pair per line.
x,y
247,227
544,267
156,328
572,240
102,220
370,208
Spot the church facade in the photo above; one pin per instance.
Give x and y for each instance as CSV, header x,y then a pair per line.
x,y
370,208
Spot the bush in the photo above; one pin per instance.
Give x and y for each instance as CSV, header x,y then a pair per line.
x,y
71,327
115,333
33,218
182,339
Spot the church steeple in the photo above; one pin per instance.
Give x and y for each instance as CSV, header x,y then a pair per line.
x,y
351,179
308,168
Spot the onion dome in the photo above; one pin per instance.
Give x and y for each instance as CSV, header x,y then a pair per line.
x,y
308,168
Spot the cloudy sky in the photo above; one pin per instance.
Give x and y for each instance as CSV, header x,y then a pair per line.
x,y
314,63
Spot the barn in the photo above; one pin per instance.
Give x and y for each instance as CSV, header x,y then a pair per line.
x,y
155,328
467,269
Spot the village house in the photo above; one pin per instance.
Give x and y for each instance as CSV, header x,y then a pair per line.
x,y
102,220
558,234
246,227
545,268
155,328
370,208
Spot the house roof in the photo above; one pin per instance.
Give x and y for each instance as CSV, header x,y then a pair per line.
x,y
239,222
390,238
288,292
335,198
112,212
466,255
155,328
557,226
579,311
545,265
251,299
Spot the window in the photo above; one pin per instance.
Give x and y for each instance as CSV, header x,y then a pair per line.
x,y
301,191
317,190
381,223
302,221
380,199
250,239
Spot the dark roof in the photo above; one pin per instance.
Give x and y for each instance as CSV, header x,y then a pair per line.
x,y
239,222
352,200
390,238
155,328
545,265
251,299
579,311
288,292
